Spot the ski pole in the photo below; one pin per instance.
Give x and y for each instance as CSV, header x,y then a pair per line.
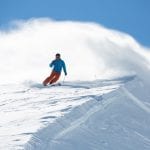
x,y
63,80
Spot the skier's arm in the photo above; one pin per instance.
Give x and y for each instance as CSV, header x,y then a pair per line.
x,y
64,68
51,64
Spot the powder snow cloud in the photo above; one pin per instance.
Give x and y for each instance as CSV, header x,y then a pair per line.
x,y
90,50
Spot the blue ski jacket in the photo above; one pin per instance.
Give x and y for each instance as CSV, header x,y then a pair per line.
x,y
57,65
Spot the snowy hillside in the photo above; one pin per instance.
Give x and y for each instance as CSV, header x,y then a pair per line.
x,y
103,104
116,120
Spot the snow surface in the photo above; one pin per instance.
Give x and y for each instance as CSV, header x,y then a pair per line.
x,y
118,120
103,103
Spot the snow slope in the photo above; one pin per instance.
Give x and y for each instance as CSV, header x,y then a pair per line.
x,y
29,107
118,120
103,104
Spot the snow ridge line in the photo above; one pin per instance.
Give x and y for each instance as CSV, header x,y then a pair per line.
x,y
84,118
136,100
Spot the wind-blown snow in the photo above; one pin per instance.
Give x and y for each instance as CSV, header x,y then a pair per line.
x,y
104,102
90,50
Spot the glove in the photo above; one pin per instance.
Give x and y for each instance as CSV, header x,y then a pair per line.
x,y
65,74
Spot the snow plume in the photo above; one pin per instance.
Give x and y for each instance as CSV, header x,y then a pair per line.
x,y
90,51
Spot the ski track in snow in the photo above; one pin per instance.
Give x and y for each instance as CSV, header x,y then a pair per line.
x,y
83,119
136,100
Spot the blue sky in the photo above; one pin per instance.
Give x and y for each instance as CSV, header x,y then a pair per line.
x,y
130,16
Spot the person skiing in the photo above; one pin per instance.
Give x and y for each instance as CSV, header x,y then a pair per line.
x,y
58,64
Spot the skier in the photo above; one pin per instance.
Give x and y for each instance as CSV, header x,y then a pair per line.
x,y
57,65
